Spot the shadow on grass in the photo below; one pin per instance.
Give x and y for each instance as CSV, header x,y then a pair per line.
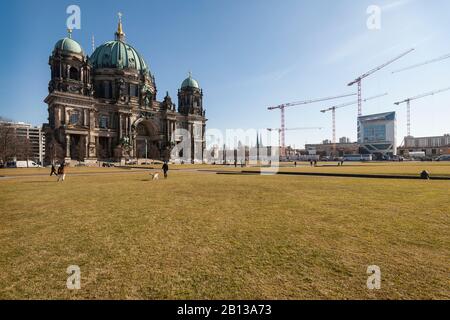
x,y
40,181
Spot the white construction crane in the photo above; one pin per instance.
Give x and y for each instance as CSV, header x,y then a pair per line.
x,y
291,104
365,75
408,106
444,57
333,109
291,129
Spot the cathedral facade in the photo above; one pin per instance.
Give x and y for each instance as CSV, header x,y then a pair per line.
x,y
104,107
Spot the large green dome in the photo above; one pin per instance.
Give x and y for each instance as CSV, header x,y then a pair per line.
x,y
117,54
70,45
190,82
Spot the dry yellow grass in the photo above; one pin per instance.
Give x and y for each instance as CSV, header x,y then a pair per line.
x,y
199,235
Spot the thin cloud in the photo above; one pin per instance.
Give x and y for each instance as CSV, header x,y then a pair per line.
x,y
275,75
349,48
395,5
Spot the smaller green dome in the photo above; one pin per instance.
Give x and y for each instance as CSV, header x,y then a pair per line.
x,y
190,82
68,44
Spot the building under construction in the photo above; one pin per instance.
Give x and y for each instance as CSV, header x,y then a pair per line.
x,y
329,149
432,146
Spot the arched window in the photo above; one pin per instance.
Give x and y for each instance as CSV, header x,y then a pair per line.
x,y
74,118
73,73
103,121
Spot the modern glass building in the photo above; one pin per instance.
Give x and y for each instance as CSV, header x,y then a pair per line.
x,y
377,134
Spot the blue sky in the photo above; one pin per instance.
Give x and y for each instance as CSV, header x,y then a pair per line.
x,y
248,55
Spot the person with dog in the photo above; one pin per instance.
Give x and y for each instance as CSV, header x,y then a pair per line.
x,y
53,172
165,169
62,172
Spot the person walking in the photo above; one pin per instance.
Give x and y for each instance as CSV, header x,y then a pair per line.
x,y
62,172
165,169
53,172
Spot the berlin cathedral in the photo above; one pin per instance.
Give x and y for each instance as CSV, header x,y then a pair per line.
x,y
104,107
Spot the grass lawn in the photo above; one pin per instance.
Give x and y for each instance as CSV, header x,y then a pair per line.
x,y
388,168
202,235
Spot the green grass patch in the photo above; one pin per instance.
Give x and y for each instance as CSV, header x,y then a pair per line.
x,y
204,236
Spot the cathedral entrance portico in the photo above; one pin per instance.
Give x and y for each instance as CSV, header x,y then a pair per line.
x,y
76,146
147,141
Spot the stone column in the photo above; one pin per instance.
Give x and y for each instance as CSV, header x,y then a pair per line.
x,y
66,116
191,131
168,130
129,126
120,126
86,142
57,115
109,146
97,145
68,146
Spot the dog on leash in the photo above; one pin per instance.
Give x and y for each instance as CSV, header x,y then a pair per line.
x,y
154,175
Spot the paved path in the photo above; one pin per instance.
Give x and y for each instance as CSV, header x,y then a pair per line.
x,y
128,171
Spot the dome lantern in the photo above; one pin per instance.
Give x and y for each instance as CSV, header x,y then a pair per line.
x,y
68,44
120,35
117,54
190,82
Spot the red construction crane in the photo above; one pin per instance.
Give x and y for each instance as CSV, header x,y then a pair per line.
x,y
333,109
365,75
408,106
423,63
291,104
291,129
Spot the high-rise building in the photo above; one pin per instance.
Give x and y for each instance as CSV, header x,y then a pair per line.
x,y
378,134
344,140
29,141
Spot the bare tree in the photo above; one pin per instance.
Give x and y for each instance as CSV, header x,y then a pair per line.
x,y
8,140
23,149
55,151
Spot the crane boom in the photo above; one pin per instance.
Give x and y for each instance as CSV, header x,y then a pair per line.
x,y
423,63
282,108
294,129
420,96
408,105
365,75
280,130
297,103
353,102
333,109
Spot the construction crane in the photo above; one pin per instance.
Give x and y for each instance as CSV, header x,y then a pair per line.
x,y
291,129
333,109
365,75
408,106
282,108
423,63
